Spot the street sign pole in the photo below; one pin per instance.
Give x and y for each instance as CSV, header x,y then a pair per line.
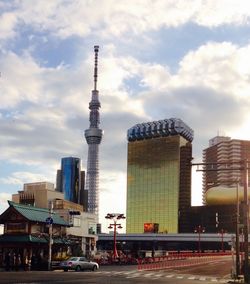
x,y
50,246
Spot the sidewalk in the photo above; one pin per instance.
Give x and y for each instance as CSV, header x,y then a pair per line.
x,y
240,280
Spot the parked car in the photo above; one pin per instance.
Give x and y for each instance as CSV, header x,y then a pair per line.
x,y
79,263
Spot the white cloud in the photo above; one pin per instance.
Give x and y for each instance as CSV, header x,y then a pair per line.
x,y
53,108
21,80
106,18
221,66
4,197
8,22
215,13
19,178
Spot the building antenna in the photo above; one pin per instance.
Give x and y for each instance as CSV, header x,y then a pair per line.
x,y
96,49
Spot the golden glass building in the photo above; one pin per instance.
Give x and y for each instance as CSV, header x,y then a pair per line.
x,y
159,176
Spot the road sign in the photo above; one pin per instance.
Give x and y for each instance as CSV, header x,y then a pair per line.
x,y
49,221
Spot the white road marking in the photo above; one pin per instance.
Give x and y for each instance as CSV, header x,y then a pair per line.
x,y
134,275
158,275
128,272
148,274
152,275
169,276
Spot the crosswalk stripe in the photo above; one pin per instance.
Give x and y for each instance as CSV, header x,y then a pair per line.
x,y
148,274
128,272
156,275
131,276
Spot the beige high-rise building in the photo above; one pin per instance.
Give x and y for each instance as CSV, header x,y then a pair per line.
x,y
223,149
38,194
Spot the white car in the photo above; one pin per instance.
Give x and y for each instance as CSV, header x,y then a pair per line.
x,y
78,264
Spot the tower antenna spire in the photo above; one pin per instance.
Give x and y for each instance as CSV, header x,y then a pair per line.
x,y
96,49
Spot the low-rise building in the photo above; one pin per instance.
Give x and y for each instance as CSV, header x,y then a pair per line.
x,y
26,236
82,230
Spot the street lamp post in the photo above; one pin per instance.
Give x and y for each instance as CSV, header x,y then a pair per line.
x,y
199,230
115,217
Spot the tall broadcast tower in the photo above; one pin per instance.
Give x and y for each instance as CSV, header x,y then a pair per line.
x,y
93,137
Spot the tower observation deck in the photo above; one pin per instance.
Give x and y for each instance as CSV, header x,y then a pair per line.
x,y
93,137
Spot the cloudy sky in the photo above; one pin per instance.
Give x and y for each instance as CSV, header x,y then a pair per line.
x,y
158,59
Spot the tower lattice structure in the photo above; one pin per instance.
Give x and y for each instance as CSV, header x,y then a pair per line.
x,y
93,137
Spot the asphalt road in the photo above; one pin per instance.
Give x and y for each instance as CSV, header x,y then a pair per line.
x,y
214,271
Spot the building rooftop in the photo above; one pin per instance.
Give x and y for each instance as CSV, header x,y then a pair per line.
x,y
39,186
35,214
160,128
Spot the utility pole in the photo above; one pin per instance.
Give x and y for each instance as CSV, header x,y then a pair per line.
x,y
49,222
246,221
237,250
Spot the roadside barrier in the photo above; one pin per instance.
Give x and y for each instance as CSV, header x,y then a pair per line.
x,y
177,260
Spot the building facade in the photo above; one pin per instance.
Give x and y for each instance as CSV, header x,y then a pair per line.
x,y
223,150
82,229
37,194
70,181
214,218
159,176
26,236
93,137
70,177
155,245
